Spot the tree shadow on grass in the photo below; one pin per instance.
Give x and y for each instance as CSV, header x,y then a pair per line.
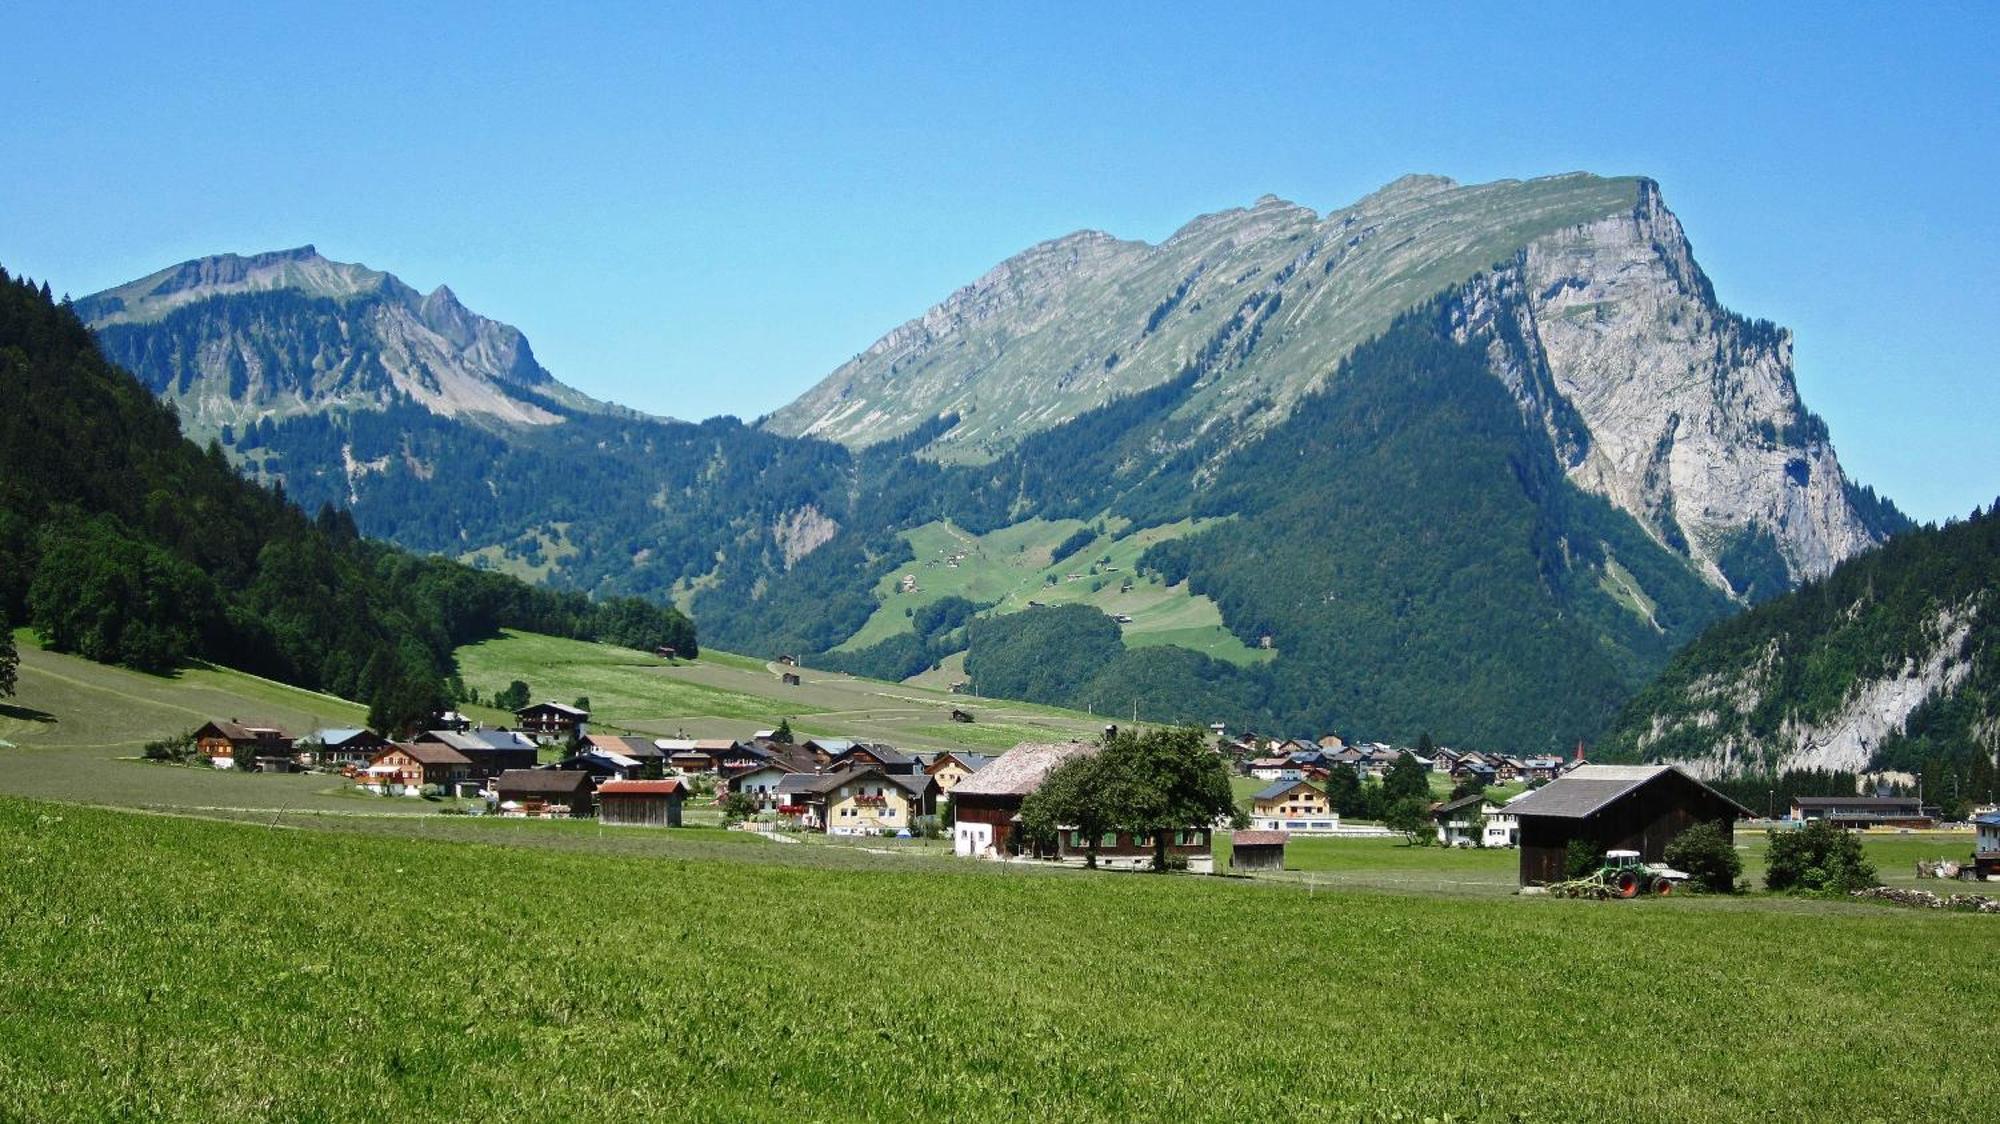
x,y
25,713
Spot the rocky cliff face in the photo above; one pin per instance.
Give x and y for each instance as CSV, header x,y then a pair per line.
x,y
234,339
1676,410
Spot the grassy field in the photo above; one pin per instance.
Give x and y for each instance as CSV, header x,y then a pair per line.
x,y
355,974
1011,566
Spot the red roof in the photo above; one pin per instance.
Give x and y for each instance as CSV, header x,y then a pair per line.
x,y
1258,839
640,788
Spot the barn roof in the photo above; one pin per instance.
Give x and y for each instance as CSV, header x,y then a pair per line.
x,y
562,782
640,788
1278,788
1021,769
1259,838
1588,789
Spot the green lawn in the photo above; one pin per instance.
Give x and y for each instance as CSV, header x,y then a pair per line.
x,y
253,972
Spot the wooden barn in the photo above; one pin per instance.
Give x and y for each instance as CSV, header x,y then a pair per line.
x,y
1257,850
543,792
1615,807
641,803
986,806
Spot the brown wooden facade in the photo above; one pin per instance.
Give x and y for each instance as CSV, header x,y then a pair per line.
x,y
1645,820
641,803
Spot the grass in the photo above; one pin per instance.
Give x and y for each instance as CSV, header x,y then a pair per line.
x,y
357,975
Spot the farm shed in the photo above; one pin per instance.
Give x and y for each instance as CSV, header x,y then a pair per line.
x,y
986,806
642,803
545,791
1615,807
1257,850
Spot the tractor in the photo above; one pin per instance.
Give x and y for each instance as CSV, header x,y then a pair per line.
x,y
1628,875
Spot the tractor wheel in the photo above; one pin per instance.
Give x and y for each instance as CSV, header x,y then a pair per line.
x,y
1663,886
1627,884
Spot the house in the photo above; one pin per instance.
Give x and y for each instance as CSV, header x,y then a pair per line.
x,y
791,679
1274,769
866,801
413,764
1503,827
986,806
1257,850
1332,743
221,741
651,758
863,755
552,721
1986,845
761,783
949,769
1293,806
706,755
1863,811
601,765
1443,760
334,749
824,750
1475,772
1615,807
1133,850
654,803
543,792
1542,768
488,752
1459,821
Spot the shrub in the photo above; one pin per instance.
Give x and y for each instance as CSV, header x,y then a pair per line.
x,y
737,807
176,749
1708,857
1819,857
1581,858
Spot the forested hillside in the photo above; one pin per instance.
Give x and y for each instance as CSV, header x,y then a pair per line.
x,y
1892,662
124,542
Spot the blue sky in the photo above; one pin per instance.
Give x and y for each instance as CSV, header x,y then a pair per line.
x,y
695,211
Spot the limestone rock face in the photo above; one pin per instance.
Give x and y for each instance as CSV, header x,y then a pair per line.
x,y
232,339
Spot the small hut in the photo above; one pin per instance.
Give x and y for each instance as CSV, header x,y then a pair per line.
x,y
1257,850
641,803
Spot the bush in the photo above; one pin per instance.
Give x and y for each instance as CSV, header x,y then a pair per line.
x,y
1708,857
1581,858
737,807
176,749
1819,857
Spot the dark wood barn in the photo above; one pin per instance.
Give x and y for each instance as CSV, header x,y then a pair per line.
x,y
1615,807
641,803
1257,850
544,792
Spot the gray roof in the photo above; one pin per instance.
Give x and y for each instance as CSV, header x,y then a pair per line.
x,y
914,783
1021,769
1590,788
551,781
1279,788
1880,802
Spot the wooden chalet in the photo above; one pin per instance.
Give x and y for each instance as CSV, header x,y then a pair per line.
x,y
1615,807
1133,850
950,768
986,807
223,741
865,801
334,749
762,782
552,721
870,755
655,803
1257,850
651,758
413,764
543,792
489,753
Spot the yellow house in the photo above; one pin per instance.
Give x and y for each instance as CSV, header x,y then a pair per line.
x,y
1293,806
951,767
869,801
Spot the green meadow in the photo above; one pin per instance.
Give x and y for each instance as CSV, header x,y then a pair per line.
x,y
185,969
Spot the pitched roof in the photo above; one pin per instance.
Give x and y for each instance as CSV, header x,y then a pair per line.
x,y
973,762
551,781
913,783
341,736
1880,802
429,753
1451,806
1279,788
559,708
246,731
1259,838
642,748
1021,769
641,788
1588,789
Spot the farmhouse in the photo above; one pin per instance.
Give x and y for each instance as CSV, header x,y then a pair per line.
x,y
866,755
489,753
1986,845
1274,769
1458,821
1293,806
1133,850
220,741
1503,827
1615,807
1862,811
601,765
332,749
651,758
543,792
986,806
641,803
418,763
552,721
1257,850
866,801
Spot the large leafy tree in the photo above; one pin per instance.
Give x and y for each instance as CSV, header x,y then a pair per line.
x,y
1077,794
1165,780
10,660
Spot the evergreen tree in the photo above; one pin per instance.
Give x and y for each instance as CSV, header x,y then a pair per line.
x,y
1406,779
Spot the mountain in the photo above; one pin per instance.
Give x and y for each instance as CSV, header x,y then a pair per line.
x,y
1679,412
1471,461
1888,663
232,340
124,542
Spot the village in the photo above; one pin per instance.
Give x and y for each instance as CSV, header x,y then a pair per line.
x,y
552,765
